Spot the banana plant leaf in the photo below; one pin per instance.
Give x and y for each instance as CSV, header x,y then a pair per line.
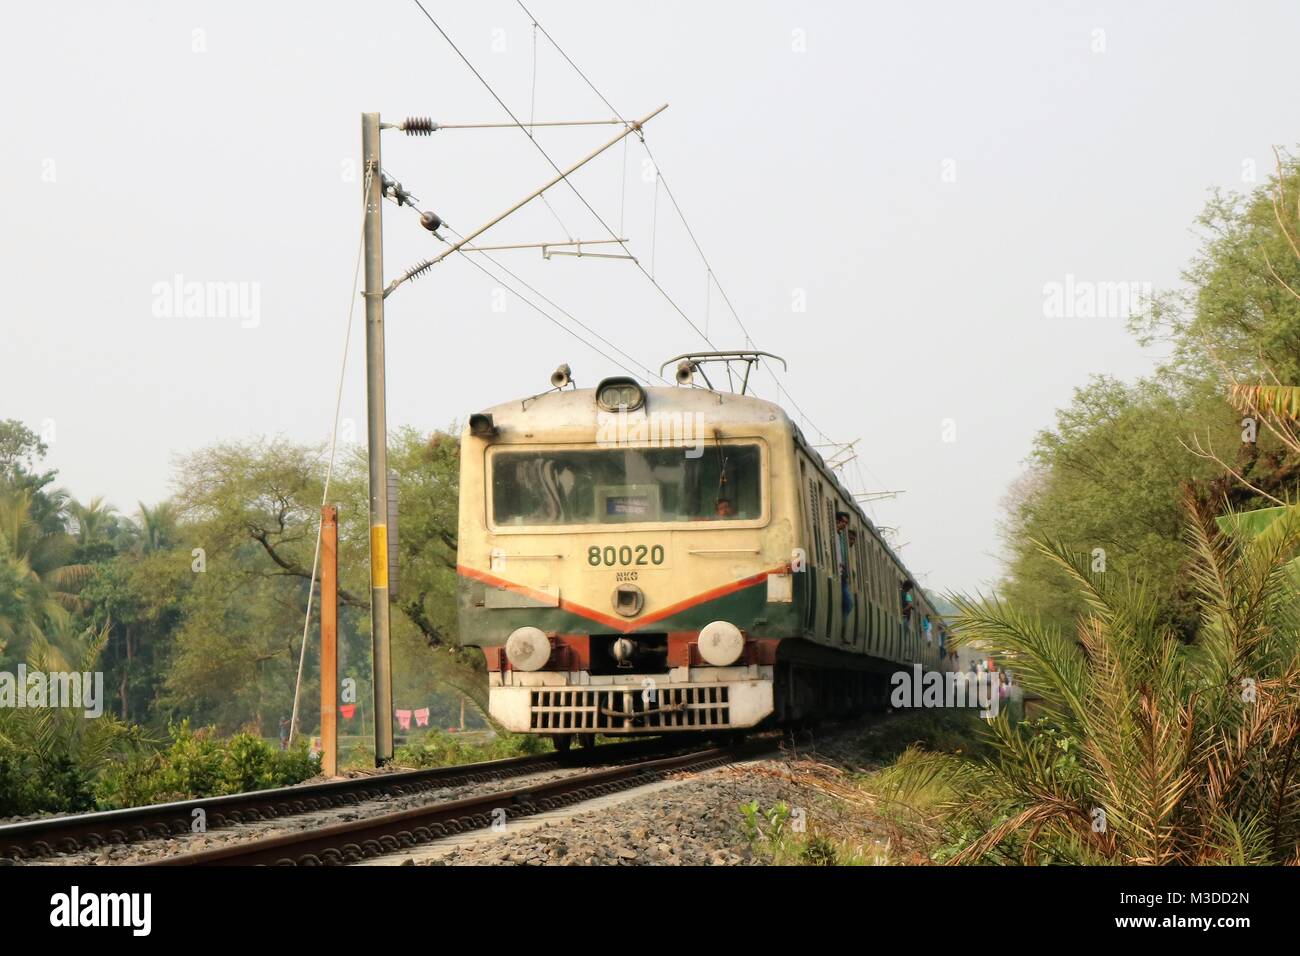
x,y
1249,522
1252,524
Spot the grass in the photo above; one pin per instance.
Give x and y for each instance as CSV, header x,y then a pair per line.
x,y
856,810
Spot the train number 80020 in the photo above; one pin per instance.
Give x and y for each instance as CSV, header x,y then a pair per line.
x,y
626,556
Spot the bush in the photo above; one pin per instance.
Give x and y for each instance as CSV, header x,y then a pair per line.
x,y
50,757
441,749
201,764
30,785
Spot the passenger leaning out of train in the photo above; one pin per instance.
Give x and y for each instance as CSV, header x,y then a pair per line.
x,y
842,542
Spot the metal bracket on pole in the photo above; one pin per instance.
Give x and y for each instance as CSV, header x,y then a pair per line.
x,y
411,273
559,248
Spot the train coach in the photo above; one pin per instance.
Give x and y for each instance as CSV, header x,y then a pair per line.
x,y
649,560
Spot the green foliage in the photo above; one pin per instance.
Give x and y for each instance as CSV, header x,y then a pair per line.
x,y
215,634
1236,302
1154,751
438,748
50,757
38,581
20,449
254,508
30,786
772,835
765,825
1109,475
1107,480
201,764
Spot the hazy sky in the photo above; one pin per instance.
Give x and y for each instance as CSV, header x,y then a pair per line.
x,y
911,176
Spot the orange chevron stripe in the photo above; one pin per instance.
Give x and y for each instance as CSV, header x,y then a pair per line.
x,y
622,625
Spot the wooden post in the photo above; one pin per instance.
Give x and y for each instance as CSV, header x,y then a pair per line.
x,y
329,640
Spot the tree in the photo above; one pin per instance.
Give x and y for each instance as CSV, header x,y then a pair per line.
x,y
20,450
254,509
157,526
138,601
1240,311
51,756
1108,481
1108,478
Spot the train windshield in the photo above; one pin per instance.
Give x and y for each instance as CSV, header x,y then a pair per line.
x,y
627,485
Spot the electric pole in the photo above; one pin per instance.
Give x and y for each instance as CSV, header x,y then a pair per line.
x,y
377,436
377,425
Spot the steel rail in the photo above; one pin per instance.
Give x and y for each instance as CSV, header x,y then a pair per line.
x,y
36,839
356,840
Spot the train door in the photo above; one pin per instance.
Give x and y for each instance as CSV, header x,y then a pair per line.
x,y
875,596
844,579
818,566
806,581
882,629
832,565
859,588
868,587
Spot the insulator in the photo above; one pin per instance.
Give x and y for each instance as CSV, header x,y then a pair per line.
x,y
418,126
430,221
419,270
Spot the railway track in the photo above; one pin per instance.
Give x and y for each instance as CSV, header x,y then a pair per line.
x,y
357,840
42,839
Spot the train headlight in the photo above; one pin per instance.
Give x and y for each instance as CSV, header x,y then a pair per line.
x,y
613,394
482,426
528,648
721,643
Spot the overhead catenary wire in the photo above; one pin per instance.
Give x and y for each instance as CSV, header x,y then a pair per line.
x,y
465,250
781,389
550,318
659,178
467,253
545,155
560,176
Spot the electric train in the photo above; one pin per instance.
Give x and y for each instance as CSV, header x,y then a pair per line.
x,y
649,560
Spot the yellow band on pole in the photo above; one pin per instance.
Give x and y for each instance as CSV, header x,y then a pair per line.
x,y
379,556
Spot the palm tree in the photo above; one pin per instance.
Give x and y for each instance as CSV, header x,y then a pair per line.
x,y
1280,400
157,526
62,749
93,520
39,582
1153,751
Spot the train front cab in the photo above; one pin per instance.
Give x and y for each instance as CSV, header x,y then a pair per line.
x,y
624,605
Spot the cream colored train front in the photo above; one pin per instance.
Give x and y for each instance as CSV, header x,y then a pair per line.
x,y
644,560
